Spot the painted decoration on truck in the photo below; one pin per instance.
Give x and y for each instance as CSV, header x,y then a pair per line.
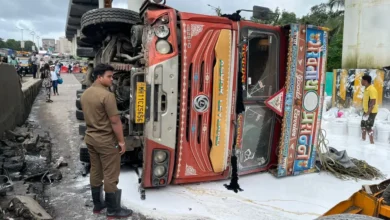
x,y
202,80
304,99
220,119
348,90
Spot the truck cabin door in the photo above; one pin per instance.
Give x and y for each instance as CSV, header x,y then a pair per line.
x,y
259,68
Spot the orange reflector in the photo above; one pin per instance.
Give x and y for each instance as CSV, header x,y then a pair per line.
x,y
162,182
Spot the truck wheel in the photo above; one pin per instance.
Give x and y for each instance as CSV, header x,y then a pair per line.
x,y
85,52
79,115
82,129
348,217
78,104
81,43
111,20
386,195
84,155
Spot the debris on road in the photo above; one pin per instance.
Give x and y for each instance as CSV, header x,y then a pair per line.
x,y
25,169
27,208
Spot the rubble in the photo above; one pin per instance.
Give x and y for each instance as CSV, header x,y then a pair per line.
x,y
27,208
25,168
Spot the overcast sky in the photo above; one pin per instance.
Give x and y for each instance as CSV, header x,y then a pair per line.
x,y
47,18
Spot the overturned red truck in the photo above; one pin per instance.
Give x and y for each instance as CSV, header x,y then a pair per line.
x,y
198,90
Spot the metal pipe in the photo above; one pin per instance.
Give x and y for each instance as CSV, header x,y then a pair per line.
x,y
129,58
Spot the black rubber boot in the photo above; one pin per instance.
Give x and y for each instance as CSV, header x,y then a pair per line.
x,y
98,201
114,209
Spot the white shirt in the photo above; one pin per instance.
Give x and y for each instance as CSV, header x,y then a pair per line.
x,y
53,75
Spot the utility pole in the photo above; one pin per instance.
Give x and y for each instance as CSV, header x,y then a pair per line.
x,y
33,39
22,42
38,37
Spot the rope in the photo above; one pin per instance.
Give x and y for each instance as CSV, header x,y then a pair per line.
x,y
362,170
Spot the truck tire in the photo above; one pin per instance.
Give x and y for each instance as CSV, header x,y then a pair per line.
x,y
81,43
386,195
348,217
109,20
82,129
85,52
78,104
84,155
80,91
80,115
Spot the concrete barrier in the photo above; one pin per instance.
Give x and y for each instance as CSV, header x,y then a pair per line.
x,y
15,101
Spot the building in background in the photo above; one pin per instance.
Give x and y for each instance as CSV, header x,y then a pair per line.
x,y
49,44
57,46
366,37
64,45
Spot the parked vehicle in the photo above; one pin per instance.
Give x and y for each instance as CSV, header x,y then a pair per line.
x,y
24,66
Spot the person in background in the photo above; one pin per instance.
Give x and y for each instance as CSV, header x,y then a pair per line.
x,y
70,68
57,69
105,141
54,79
13,61
34,66
370,108
47,83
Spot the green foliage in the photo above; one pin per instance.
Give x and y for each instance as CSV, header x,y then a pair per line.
x,y
15,45
335,51
287,18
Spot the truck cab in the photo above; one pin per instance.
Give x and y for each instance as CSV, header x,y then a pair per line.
x,y
196,91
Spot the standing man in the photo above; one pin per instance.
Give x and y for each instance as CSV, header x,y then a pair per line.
x,y
370,108
103,136
34,60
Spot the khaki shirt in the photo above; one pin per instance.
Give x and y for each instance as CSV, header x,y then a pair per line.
x,y
99,104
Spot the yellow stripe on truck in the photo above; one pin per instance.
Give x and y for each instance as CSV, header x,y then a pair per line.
x,y
220,113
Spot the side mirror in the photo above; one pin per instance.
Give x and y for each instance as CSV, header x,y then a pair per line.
x,y
261,13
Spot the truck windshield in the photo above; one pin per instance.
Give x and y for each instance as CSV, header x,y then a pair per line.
x,y
261,83
23,61
262,64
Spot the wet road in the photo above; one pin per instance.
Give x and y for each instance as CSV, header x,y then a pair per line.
x,y
68,198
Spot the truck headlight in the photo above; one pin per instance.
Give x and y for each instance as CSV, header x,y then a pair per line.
x,y
159,171
161,31
163,47
160,156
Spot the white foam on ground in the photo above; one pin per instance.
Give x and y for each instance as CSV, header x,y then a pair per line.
x,y
264,197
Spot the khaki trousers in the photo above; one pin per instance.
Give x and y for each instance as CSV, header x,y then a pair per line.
x,y
105,165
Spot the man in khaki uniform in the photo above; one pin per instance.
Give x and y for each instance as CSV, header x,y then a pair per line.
x,y
103,136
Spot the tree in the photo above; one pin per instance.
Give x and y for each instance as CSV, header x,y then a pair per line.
x,y
335,52
2,43
13,44
336,4
287,18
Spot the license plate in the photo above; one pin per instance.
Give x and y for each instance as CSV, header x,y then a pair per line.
x,y
140,102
